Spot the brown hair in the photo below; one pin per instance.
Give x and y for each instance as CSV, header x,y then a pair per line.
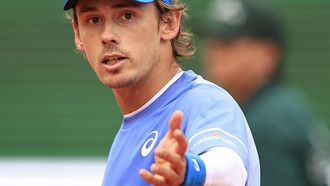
x,y
182,44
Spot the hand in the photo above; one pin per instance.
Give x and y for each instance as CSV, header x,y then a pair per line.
x,y
170,164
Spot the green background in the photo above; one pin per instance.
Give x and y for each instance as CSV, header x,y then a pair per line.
x,y
51,102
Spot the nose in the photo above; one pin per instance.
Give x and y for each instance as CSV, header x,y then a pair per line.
x,y
109,35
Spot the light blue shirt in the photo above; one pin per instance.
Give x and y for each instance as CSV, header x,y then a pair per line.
x,y
211,119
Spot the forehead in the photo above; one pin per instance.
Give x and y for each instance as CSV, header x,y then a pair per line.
x,y
106,3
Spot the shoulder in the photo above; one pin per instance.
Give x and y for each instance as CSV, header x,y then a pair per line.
x,y
281,109
208,106
204,102
281,99
203,93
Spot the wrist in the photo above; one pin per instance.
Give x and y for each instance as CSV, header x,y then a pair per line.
x,y
195,171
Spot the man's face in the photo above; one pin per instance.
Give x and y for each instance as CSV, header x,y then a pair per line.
x,y
120,39
226,61
241,65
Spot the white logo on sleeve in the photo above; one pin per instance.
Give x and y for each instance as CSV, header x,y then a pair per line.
x,y
196,165
149,144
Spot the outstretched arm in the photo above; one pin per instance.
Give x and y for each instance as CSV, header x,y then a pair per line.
x,y
223,166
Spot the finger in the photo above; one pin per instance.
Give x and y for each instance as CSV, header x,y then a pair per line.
x,y
155,180
181,141
176,161
170,176
175,121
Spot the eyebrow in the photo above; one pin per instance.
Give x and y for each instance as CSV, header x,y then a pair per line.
x,y
85,9
88,8
126,5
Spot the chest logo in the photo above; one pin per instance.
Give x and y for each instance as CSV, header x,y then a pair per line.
x,y
149,144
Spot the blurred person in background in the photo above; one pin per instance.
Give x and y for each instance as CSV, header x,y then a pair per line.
x,y
244,52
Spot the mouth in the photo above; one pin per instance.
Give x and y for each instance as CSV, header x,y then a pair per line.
x,y
112,60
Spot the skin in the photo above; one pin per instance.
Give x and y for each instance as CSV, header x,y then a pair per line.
x,y
135,35
170,165
240,65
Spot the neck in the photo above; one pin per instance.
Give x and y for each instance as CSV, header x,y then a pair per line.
x,y
242,95
244,92
135,96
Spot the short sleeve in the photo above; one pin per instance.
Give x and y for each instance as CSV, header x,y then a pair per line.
x,y
220,123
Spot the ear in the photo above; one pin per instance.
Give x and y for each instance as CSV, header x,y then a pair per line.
x,y
170,25
269,56
271,52
78,42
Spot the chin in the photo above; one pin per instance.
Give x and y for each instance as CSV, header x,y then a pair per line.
x,y
115,84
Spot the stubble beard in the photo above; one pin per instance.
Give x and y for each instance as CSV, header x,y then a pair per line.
x,y
118,82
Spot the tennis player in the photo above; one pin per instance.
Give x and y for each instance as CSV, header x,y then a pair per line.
x,y
177,128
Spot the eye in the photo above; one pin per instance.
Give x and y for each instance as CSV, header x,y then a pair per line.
x,y
127,16
94,20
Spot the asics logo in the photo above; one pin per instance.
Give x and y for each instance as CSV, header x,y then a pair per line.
x,y
149,144
196,166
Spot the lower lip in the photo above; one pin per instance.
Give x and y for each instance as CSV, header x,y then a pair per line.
x,y
114,67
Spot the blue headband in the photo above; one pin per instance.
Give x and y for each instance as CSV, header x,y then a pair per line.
x,y
72,3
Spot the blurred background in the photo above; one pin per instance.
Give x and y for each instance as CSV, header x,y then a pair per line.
x,y
55,115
